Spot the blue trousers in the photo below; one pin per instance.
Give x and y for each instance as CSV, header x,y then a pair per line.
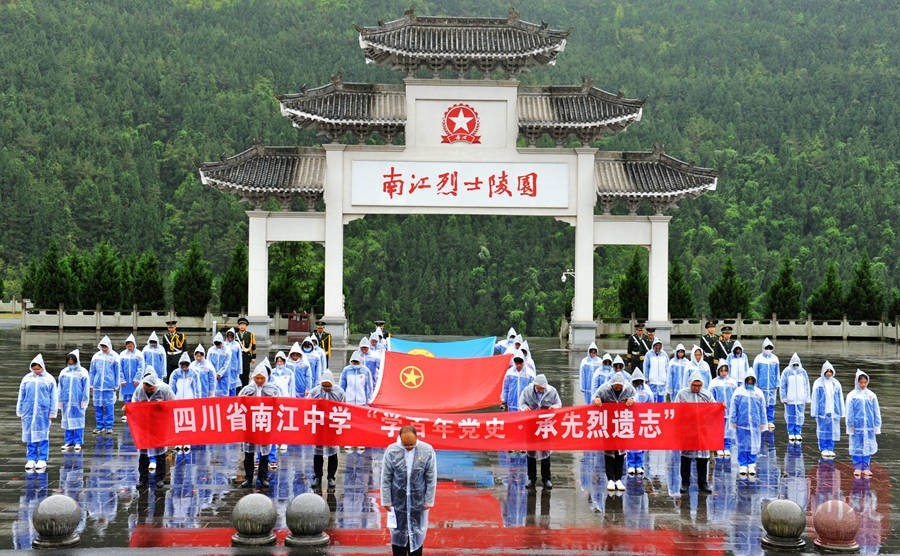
x,y
74,436
38,451
745,457
770,412
793,414
104,416
634,458
825,432
861,462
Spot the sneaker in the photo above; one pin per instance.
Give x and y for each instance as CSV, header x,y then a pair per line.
x,y
41,464
331,484
720,453
548,485
246,484
529,485
610,485
77,447
108,431
867,473
29,465
631,470
727,453
639,470
282,448
751,469
186,449
317,483
124,418
347,449
273,465
177,449
799,438
65,447
742,470
704,489
97,431
361,449
620,485
771,426
152,467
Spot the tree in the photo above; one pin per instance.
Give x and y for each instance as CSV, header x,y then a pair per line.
x,y
633,289
192,283
80,264
865,299
729,295
681,300
233,287
52,281
894,307
784,294
149,292
104,285
827,300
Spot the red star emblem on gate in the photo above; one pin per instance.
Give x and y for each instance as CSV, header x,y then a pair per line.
x,y
412,377
461,123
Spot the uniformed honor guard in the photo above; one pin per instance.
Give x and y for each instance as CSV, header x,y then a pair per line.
x,y
709,344
247,340
725,344
635,352
173,343
323,337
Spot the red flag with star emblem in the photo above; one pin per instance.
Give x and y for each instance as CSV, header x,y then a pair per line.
x,y
439,385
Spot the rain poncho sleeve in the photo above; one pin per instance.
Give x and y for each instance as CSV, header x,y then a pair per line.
x,y
36,405
863,422
747,416
74,396
409,494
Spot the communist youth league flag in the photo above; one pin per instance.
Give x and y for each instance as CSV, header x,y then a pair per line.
x,y
438,385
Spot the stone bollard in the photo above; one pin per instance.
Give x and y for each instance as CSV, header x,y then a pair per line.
x,y
55,519
784,522
307,517
836,524
254,518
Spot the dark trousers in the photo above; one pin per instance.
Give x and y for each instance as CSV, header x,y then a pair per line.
x,y
615,465
702,467
318,463
144,468
404,550
532,469
262,473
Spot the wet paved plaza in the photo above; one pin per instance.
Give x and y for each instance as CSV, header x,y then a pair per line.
x,y
482,505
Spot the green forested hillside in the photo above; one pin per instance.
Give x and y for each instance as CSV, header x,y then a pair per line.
x,y
107,107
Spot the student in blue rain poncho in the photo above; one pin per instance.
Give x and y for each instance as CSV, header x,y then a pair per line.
x,y
152,389
722,388
36,406
302,374
155,356
220,357
408,486
206,372
697,364
235,369
372,358
767,370
74,395
694,393
586,370
539,395
863,424
678,373
747,417
131,362
259,386
502,346
517,378
283,379
656,370
105,379
738,362
634,459
311,357
794,390
827,408
602,373
356,381
326,390
186,384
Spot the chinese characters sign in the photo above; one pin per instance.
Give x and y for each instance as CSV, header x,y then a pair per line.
x,y
265,420
460,184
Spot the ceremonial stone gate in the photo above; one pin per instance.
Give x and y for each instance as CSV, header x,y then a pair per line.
x,y
460,156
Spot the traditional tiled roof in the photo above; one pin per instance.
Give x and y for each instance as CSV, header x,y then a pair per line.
x,y
339,107
361,108
461,43
634,177
263,172
588,112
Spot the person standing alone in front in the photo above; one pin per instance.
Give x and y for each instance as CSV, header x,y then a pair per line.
x,y
408,485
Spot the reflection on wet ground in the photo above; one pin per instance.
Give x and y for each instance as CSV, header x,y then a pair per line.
x,y
482,504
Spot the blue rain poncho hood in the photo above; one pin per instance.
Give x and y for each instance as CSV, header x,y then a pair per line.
x,y
153,338
131,339
827,366
38,359
104,341
199,349
218,339
77,355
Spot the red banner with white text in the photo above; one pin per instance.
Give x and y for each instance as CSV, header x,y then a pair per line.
x,y
267,420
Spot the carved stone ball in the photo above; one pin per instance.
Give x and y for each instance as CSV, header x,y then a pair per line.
x,y
784,522
307,516
254,518
55,520
836,524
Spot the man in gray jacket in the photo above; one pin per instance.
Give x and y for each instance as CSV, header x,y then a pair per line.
x,y
408,483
